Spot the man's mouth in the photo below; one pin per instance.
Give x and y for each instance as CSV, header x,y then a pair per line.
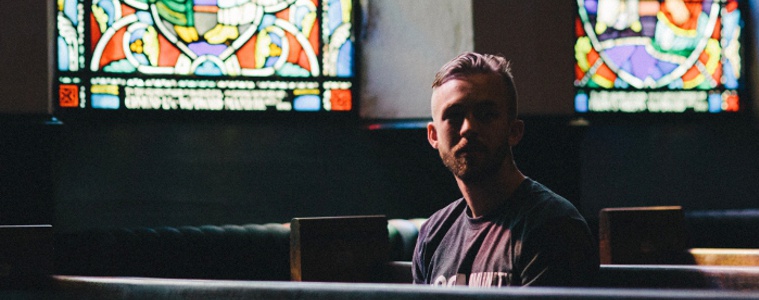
x,y
469,148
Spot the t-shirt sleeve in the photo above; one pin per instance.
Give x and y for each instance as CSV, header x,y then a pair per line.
x,y
561,252
417,262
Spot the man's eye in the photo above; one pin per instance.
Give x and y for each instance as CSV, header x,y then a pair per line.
x,y
486,115
453,116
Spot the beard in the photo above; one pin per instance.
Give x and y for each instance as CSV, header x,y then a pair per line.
x,y
479,164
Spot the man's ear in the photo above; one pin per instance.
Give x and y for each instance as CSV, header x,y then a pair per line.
x,y
432,135
516,131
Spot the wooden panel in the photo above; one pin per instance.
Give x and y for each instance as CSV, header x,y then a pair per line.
x,y
339,249
643,235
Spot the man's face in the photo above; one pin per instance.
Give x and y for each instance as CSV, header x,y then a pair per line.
x,y
470,127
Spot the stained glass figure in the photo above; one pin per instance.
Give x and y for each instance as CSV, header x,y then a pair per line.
x,y
669,56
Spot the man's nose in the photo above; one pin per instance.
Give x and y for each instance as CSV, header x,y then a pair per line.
x,y
469,126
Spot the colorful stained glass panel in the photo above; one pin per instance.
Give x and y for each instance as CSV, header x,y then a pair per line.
x,y
204,54
670,56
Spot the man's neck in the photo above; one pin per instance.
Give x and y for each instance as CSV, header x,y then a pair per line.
x,y
484,196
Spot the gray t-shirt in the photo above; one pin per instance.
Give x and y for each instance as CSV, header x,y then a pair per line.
x,y
536,238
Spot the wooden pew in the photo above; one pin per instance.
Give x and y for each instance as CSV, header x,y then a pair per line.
x,y
721,278
725,256
81,287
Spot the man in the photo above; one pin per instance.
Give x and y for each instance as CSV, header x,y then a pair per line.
x,y
506,230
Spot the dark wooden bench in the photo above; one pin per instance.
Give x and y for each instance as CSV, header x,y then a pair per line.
x,y
679,277
650,277
80,287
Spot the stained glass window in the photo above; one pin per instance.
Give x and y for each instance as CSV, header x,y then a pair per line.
x,y
206,55
652,56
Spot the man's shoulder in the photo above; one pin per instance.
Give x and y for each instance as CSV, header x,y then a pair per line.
x,y
453,209
539,194
540,200
445,216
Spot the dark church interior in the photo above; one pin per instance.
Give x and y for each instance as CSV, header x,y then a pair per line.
x,y
206,208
